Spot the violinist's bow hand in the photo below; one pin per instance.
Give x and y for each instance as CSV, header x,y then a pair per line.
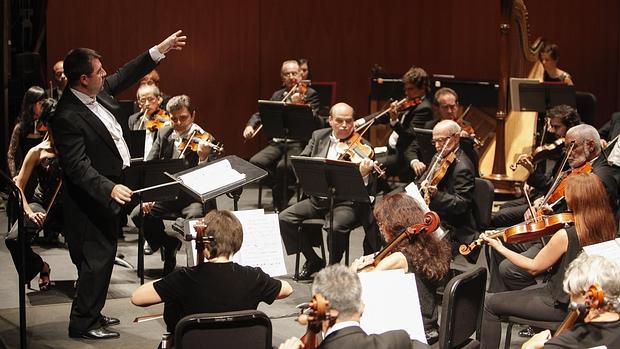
x,y
175,41
248,132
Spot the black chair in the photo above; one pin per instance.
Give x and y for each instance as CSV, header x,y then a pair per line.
x,y
461,310
483,203
237,329
512,320
586,106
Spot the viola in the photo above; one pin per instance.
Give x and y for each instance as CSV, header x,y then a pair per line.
x,y
539,227
594,299
196,137
542,153
157,120
353,149
438,170
558,192
318,312
430,224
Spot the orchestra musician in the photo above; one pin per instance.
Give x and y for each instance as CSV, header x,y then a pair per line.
x,y
422,254
447,102
44,209
93,154
610,130
549,57
403,157
152,78
304,68
271,158
601,326
218,285
452,196
342,288
504,275
168,146
60,80
347,214
594,223
149,100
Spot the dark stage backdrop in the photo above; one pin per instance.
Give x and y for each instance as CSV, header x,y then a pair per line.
x,y
236,47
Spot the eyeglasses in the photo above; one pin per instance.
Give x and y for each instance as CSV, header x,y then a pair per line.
x,y
147,99
440,140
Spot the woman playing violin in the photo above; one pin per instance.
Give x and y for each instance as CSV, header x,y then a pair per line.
x,y
422,254
594,223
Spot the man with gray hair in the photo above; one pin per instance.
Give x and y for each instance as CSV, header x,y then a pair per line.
x,y
342,288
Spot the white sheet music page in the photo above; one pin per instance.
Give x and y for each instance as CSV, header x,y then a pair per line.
x,y
391,303
212,177
413,191
608,249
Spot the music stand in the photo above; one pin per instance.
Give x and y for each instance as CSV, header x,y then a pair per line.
x,y
288,121
331,179
150,177
542,96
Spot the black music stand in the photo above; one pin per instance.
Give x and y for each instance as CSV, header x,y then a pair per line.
x,y
288,121
232,190
331,179
150,177
542,96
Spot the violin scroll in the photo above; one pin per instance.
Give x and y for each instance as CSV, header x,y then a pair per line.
x,y
318,311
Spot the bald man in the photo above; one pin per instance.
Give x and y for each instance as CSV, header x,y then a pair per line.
x,y
347,214
452,198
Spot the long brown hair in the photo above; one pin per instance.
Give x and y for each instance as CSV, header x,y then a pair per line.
x,y
587,198
430,257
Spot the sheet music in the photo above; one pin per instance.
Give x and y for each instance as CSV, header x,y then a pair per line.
x,y
262,246
211,177
413,191
608,249
400,311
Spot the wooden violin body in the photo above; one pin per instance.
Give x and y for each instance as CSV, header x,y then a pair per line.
x,y
157,120
543,152
558,192
436,174
319,312
353,149
196,137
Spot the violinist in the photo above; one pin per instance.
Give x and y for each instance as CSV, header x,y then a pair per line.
x,y
601,325
447,103
342,288
347,214
271,158
60,80
150,117
594,223
560,119
403,156
166,147
218,285
452,196
422,254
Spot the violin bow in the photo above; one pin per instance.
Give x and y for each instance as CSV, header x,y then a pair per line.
x,y
558,176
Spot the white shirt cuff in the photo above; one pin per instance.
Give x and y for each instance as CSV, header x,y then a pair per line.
x,y
412,161
156,56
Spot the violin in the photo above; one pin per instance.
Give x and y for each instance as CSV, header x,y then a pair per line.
x,y
594,299
41,127
196,137
301,88
542,153
157,120
430,224
539,227
318,312
468,128
557,193
437,171
353,149
401,105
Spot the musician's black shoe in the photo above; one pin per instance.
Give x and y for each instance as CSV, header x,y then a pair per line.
x,y
109,321
147,249
432,336
310,268
97,333
527,332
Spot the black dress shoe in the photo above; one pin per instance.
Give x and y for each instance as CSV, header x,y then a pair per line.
x,y
147,249
432,336
527,332
97,333
310,268
109,321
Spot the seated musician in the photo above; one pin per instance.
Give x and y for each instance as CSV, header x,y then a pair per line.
x,y
447,102
219,285
40,163
149,99
403,156
342,288
422,254
152,79
347,214
452,196
610,130
594,223
60,80
601,326
271,158
166,147
587,150
549,57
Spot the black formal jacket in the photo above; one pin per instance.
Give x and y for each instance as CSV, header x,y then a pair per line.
x,y
611,128
88,156
312,99
454,200
355,338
